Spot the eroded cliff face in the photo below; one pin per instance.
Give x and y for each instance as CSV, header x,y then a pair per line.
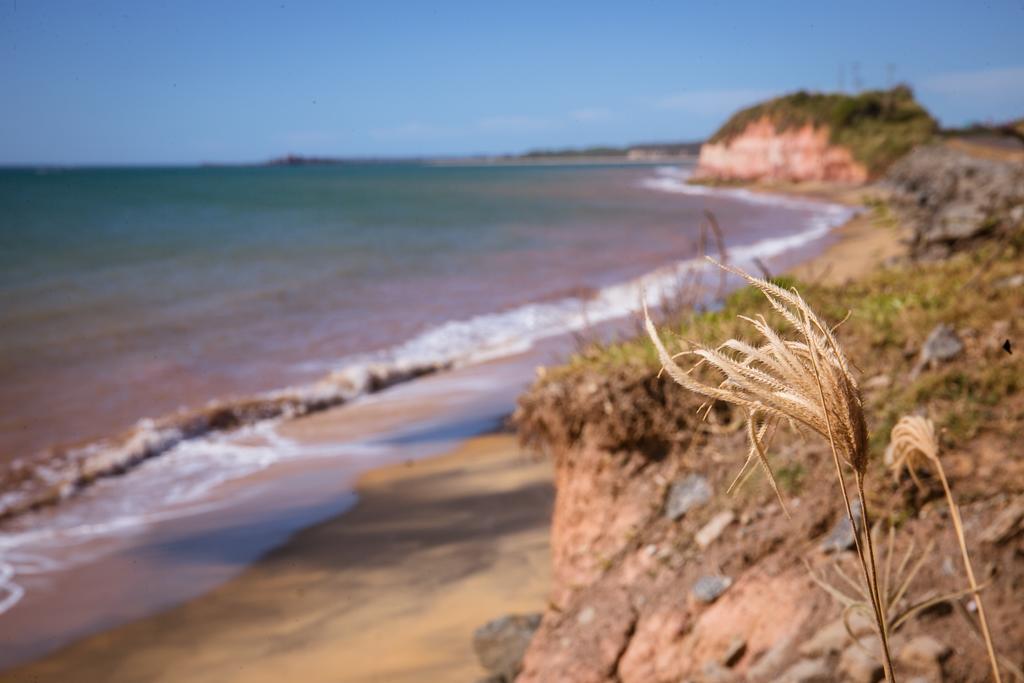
x,y
763,153
720,591
622,606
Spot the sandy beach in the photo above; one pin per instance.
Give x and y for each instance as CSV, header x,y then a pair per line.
x,y
392,589
389,591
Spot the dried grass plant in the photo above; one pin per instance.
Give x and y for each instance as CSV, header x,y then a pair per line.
x,y
914,445
805,382
895,582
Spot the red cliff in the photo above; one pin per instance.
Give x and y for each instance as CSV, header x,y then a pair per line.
x,y
761,152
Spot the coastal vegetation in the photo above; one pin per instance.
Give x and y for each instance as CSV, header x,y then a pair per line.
x,y
610,397
891,313
877,126
652,149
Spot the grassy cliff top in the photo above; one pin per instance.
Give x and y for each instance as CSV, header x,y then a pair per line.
x,y
878,126
891,313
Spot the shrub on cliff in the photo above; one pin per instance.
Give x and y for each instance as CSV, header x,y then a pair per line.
x,y
877,126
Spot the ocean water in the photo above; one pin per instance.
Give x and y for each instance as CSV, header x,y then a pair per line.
x,y
129,293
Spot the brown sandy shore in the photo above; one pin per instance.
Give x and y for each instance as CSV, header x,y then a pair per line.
x,y
388,591
392,589
861,244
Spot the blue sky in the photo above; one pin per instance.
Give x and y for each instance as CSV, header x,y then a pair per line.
x,y
180,82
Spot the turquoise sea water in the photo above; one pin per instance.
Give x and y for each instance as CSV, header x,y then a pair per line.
x,y
130,292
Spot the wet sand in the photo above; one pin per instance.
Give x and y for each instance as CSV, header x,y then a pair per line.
x,y
388,591
392,589
859,245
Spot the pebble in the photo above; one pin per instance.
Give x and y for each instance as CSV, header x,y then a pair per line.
x,y
942,345
858,666
708,588
501,643
1006,524
807,671
923,652
714,528
1010,282
686,494
713,672
734,653
842,536
833,637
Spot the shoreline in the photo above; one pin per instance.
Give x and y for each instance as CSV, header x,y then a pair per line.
x,y
391,589
847,234
68,469
859,245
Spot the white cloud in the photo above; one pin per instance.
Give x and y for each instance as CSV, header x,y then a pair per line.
x,y
590,114
713,102
994,82
512,124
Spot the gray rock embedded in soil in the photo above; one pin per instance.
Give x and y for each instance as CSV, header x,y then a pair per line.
x,y
686,494
708,588
500,644
942,345
950,198
842,535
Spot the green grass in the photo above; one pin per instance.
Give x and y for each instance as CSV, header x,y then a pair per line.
x,y
891,313
878,126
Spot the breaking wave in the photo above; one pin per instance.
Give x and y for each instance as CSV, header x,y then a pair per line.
x,y
200,447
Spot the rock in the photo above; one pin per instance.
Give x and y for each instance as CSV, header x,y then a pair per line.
x,y
923,652
842,535
877,383
713,672
772,661
686,494
734,653
834,636
1011,282
708,588
500,644
586,615
807,671
714,528
942,345
764,152
858,666
950,198
1006,524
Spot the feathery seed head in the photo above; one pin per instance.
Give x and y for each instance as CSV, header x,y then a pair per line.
x,y
912,445
805,380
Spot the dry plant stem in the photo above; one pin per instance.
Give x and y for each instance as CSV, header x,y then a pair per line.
x,y
870,575
954,512
914,445
866,528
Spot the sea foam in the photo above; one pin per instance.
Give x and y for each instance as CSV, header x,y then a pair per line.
x,y
201,449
